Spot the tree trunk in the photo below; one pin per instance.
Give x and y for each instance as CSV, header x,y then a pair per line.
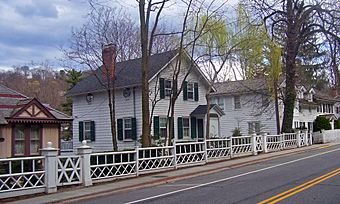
x,y
146,141
292,48
111,96
207,127
277,114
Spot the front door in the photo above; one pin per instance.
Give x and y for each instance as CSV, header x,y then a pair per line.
x,y
200,128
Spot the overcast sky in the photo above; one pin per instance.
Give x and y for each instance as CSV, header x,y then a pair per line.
x,y
34,30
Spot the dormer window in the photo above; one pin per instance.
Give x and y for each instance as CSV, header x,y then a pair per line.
x,y
310,97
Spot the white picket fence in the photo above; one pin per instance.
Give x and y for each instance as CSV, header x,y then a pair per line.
x,y
45,173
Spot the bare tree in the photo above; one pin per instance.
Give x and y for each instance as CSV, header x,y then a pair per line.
x,y
294,22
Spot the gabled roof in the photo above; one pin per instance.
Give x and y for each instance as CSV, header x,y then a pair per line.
x,y
202,110
128,73
240,87
13,104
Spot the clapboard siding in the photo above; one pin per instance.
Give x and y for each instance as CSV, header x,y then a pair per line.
x,y
182,108
248,113
98,110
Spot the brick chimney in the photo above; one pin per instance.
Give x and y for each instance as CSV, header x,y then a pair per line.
x,y
109,61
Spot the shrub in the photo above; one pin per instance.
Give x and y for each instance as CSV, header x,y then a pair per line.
x,y
321,123
337,124
237,131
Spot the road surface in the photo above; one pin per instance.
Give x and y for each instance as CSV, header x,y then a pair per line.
x,y
310,177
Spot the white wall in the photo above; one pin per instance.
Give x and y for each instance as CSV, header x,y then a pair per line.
x,y
249,112
98,110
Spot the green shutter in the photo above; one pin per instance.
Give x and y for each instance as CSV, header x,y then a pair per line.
x,y
180,127
120,129
161,88
93,131
196,91
134,128
81,131
171,126
156,127
193,127
185,90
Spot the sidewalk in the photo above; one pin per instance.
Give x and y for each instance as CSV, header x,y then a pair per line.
x,y
77,193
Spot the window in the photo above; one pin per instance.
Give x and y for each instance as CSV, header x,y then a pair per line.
x,y
35,139
26,140
296,124
190,91
186,127
19,140
127,128
220,102
302,125
86,131
254,127
237,102
163,127
167,88
337,110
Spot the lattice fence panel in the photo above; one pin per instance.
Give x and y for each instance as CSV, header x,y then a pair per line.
x,y
218,148
290,140
274,142
21,173
189,153
69,170
241,144
113,164
155,158
259,143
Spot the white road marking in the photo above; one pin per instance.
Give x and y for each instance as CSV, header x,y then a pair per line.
x,y
229,178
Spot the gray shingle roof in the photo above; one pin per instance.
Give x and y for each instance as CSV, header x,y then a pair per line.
x,y
10,105
240,86
202,110
128,73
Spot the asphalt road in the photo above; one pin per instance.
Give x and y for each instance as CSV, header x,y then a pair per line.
x,y
310,177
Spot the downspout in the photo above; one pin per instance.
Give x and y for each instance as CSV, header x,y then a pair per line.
x,y
134,109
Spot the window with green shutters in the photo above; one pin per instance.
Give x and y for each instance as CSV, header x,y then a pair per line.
x,y
87,131
165,88
190,91
180,128
127,129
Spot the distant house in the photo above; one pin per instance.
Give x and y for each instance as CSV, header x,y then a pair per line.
x,y
249,106
91,117
26,125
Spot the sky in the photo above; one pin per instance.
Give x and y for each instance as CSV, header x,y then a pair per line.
x,y
35,30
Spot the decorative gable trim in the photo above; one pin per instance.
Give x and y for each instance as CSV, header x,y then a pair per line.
x,y
33,110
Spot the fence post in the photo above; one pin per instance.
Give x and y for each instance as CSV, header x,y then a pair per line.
x,y
50,166
84,152
253,144
306,138
265,148
231,148
298,137
137,160
282,138
175,154
205,151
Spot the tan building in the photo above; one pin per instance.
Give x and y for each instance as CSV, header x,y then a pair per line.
x,y
26,125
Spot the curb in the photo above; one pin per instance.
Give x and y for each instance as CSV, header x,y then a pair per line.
x,y
180,177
